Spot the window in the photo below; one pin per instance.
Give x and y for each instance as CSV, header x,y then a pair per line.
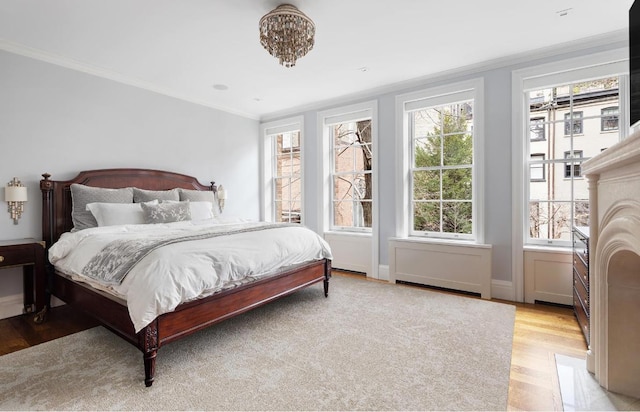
x,y
441,139
351,174
572,169
287,177
536,168
348,147
610,119
442,169
573,108
537,129
575,119
283,171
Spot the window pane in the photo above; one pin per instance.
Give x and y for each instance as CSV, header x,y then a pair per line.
x,y
426,184
456,217
352,214
353,158
343,187
458,150
282,188
581,213
426,216
425,122
427,152
550,220
456,184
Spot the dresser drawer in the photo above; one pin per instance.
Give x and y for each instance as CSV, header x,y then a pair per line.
x,y
17,255
581,292
583,318
581,269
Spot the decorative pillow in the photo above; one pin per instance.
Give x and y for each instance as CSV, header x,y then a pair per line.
x,y
166,212
143,195
200,196
82,195
111,214
198,210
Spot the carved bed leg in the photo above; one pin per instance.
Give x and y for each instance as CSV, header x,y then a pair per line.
x,y
327,275
149,367
41,316
148,343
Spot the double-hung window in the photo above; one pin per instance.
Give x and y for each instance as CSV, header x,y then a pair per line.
x,y
351,159
283,167
441,172
577,105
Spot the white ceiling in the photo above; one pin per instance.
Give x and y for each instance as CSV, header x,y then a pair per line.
x,y
183,47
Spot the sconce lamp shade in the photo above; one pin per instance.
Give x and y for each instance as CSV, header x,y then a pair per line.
x,y
222,193
15,194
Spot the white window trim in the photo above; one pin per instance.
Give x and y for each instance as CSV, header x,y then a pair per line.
x,y
403,197
367,109
266,168
599,65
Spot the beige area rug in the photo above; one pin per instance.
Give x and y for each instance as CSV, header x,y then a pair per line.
x,y
368,346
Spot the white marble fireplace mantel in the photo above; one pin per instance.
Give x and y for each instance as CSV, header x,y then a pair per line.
x,y
614,267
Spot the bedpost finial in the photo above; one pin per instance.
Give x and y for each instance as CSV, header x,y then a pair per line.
x,y
46,176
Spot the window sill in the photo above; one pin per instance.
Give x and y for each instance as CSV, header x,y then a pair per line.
x,y
548,249
347,233
446,242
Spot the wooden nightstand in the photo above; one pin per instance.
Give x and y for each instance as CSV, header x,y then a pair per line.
x,y
30,254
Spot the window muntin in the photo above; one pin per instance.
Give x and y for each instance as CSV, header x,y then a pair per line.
x,y
441,170
610,118
287,177
351,175
575,113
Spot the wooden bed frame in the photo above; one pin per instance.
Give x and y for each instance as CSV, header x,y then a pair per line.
x,y
188,317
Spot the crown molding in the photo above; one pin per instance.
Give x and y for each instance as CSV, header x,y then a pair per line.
x,y
77,65
619,37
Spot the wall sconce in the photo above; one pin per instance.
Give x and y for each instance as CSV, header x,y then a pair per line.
x,y
222,196
15,194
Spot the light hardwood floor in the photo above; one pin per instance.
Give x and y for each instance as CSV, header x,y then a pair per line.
x,y
540,332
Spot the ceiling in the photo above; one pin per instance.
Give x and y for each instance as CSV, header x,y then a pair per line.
x,y
182,48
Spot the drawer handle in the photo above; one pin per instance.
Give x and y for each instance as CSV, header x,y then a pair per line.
x,y
1,259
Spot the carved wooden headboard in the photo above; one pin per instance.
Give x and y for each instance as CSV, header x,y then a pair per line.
x,y
56,195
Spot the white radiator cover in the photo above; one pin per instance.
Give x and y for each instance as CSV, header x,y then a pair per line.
x,y
464,267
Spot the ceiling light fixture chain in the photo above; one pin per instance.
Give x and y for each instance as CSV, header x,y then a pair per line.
x,y
287,34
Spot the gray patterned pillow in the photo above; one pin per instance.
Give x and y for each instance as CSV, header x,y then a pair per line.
x,y
166,212
200,196
82,195
197,195
142,195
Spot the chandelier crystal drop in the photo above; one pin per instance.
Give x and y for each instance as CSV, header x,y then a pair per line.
x,y
287,34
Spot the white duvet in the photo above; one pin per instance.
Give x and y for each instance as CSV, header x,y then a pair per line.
x,y
180,272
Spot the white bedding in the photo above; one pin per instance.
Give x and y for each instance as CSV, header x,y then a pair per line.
x,y
180,272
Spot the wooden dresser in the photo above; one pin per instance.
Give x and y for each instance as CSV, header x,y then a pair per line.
x,y
581,278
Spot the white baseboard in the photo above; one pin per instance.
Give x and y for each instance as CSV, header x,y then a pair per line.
x,y
11,305
383,272
503,289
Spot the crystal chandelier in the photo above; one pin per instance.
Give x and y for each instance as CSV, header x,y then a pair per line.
x,y
287,34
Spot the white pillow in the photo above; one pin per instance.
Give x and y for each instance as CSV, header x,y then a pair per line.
x,y
111,214
200,210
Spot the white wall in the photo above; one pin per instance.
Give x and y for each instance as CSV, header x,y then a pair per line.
x,y
61,121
